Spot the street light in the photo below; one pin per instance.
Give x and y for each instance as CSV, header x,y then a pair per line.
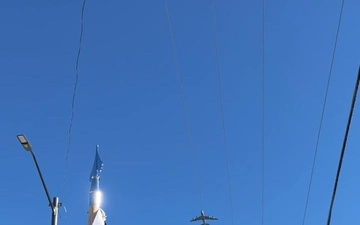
x,y
24,142
55,203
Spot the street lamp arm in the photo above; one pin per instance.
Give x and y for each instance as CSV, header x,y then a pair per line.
x,y
43,182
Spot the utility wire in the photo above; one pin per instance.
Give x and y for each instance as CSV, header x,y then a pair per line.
x,y
222,112
323,112
186,117
263,116
343,148
74,96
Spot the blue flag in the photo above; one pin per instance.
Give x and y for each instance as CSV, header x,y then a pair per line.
x,y
98,165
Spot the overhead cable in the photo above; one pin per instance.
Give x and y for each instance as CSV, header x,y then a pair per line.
x,y
322,113
343,148
222,112
186,117
263,116
73,101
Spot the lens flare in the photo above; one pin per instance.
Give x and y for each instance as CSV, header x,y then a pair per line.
x,y
98,198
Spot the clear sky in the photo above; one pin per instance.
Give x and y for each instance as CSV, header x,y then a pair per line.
x,y
128,102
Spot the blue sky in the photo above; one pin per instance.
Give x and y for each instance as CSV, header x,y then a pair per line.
x,y
128,102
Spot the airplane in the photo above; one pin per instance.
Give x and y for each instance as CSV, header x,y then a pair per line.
x,y
203,217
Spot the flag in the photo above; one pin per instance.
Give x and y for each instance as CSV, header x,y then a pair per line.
x,y
98,165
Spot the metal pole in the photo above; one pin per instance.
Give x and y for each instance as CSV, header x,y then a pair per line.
x,y
55,205
42,181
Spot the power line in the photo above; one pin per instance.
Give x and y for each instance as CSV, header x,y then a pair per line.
x,y
343,148
263,117
74,96
323,112
188,129
222,112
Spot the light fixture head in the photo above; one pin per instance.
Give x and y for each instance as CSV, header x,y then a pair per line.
x,y
24,142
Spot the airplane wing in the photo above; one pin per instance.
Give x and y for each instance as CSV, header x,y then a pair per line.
x,y
196,219
210,218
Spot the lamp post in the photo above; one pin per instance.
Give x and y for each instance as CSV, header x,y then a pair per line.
x,y
55,203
